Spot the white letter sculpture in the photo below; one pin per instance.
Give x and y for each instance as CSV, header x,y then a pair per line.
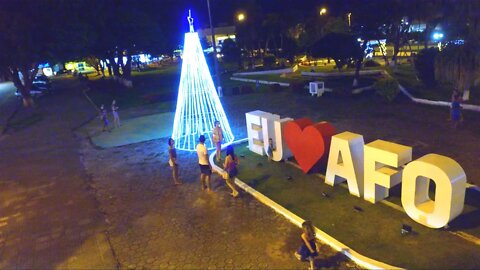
x,y
346,161
263,125
281,151
379,178
450,180
256,130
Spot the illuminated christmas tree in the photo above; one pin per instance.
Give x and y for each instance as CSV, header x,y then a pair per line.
x,y
198,105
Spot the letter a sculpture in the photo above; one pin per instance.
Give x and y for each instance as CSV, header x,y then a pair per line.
x,y
198,105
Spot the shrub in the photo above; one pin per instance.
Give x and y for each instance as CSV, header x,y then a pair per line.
x,y
235,90
371,63
269,60
387,88
246,89
425,65
297,88
275,88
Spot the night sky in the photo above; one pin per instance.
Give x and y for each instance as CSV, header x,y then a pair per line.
x,y
223,11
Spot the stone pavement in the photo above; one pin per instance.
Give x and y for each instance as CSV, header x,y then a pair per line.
x,y
65,204
48,217
156,225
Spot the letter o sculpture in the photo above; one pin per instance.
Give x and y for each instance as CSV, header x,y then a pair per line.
x,y
450,180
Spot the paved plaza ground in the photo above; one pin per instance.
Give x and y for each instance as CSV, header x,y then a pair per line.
x,y
67,203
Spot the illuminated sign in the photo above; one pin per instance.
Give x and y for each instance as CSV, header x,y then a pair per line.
x,y
370,170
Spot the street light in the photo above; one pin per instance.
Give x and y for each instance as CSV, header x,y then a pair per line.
x,y
323,11
349,16
241,17
215,61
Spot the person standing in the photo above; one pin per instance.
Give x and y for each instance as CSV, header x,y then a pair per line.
x,y
308,250
270,149
217,139
172,161
205,167
104,118
230,166
456,110
116,118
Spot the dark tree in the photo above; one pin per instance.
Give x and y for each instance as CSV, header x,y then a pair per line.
x,y
342,48
231,52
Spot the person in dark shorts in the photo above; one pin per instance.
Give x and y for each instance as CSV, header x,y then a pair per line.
x,y
230,166
205,167
172,161
308,249
456,110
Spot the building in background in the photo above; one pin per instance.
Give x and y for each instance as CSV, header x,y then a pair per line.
x,y
221,33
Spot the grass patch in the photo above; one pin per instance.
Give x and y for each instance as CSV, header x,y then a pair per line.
x,y
373,231
406,76
151,86
336,83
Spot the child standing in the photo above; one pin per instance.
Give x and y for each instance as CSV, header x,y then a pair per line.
x,y
308,250
270,149
230,166
104,117
456,110
172,160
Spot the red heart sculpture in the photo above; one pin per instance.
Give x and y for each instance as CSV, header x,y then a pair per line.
x,y
307,141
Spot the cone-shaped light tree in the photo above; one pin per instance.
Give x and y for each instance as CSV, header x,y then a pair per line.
x,y
198,104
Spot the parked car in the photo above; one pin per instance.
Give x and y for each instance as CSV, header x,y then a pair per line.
x,y
42,79
37,89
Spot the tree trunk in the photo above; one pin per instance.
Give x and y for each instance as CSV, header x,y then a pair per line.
x,y
121,65
426,35
102,69
127,69
24,87
109,67
115,67
266,44
384,53
281,43
358,65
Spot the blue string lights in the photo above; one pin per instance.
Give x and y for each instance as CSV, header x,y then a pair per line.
x,y
198,104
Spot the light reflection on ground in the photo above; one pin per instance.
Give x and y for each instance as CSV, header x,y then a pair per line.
x,y
6,89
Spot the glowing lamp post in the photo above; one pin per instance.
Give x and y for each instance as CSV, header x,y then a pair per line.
x,y
241,17
198,104
323,11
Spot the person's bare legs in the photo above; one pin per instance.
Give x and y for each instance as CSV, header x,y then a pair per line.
x,y
175,175
207,182
231,185
202,180
218,156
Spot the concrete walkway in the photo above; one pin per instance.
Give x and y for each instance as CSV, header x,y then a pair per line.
x,y
132,130
48,216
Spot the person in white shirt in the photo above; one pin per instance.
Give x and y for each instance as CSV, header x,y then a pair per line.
x,y
205,167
